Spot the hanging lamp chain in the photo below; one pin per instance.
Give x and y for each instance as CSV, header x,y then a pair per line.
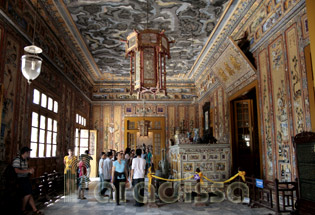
x,y
36,11
147,13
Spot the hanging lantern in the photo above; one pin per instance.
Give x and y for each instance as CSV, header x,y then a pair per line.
x,y
148,50
144,126
31,64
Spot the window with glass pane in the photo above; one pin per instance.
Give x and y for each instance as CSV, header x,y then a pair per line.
x,y
80,120
76,143
44,100
50,103
36,97
81,141
55,107
44,125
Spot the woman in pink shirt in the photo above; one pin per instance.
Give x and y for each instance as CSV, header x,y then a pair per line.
x,y
82,178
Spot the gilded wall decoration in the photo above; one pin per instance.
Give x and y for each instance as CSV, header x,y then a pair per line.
x,y
171,122
232,67
118,143
214,156
188,167
295,78
267,118
182,116
220,166
265,15
221,111
106,123
194,157
192,115
129,110
281,116
305,29
96,120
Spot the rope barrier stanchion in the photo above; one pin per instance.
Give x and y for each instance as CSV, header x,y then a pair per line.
x,y
240,174
201,176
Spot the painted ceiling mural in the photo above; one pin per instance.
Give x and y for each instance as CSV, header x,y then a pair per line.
x,y
103,23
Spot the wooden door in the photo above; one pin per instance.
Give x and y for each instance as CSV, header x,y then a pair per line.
x,y
244,147
156,137
93,150
86,139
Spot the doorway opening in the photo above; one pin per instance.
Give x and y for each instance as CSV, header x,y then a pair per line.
x,y
155,140
245,139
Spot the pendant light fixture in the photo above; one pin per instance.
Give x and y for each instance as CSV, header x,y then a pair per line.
x,y
31,63
148,50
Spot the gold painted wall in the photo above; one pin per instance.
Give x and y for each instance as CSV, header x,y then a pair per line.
x,y
310,7
283,92
220,107
106,115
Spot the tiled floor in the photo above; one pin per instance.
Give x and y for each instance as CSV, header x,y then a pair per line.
x,y
93,206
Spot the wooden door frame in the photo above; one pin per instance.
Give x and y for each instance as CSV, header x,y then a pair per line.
x,y
310,83
162,130
251,120
244,90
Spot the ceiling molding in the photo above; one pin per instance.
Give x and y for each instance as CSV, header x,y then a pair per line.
x,y
63,11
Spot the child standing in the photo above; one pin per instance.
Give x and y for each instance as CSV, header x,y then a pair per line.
x,y
82,177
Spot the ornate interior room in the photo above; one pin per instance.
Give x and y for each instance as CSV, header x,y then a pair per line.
x,y
223,86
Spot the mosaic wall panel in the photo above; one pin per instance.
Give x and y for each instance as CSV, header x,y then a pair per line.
x,y
96,119
220,110
182,116
212,160
295,79
216,115
281,114
192,116
171,121
118,136
267,117
106,123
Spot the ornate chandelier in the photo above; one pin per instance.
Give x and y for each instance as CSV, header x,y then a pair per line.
x,y
148,50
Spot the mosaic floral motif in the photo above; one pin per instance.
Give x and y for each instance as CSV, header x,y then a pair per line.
x,y
295,76
266,114
281,109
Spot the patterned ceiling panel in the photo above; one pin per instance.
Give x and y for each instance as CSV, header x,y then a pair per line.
x,y
103,23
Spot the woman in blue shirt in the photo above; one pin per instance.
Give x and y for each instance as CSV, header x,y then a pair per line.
x,y
119,175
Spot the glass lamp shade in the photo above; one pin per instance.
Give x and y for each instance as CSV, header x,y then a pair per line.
x,y
31,66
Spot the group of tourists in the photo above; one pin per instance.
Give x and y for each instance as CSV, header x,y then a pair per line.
x,y
116,170
123,169
77,170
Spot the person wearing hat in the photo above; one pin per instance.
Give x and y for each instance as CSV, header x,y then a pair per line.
x,y
22,170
